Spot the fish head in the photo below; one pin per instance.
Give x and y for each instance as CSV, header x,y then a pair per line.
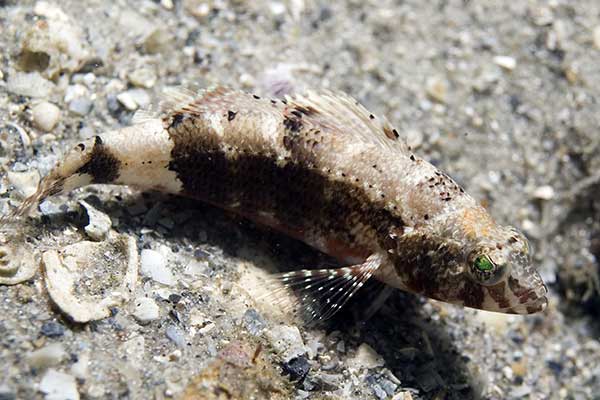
x,y
474,263
499,268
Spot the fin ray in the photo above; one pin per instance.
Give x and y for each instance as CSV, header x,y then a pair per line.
x,y
320,294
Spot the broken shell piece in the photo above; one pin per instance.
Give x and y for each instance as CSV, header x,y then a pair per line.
x,y
99,224
86,279
17,263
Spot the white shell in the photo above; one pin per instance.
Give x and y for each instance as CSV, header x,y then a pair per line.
x,y
17,264
86,279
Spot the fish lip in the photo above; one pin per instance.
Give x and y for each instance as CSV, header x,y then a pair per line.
x,y
536,305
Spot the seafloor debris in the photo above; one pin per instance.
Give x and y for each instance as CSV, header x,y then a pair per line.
x,y
86,279
17,263
239,372
99,223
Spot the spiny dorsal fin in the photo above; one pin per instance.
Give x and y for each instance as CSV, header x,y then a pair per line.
x,y
337,112
321,293
341,112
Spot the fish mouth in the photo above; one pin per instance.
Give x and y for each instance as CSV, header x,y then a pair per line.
x,y
535,300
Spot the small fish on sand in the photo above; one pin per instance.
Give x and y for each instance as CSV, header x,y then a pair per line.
x,y
320,168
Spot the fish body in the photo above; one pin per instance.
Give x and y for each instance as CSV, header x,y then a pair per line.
x,y
319,167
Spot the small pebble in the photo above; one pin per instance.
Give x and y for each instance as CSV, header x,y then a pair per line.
x,y
506,62
24,182
154,265
25,294
29,84
436,89
52,329
387,385
519,368
175,335
366,357
196,268
99,223
45,116
403,396
80,106
143,77
59,386
545,192
48,207
296,368
146,310
78,98
379,392
287,341
48,356
253,322
127,100
520,392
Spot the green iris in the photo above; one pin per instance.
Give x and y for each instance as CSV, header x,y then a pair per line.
x,y
484,264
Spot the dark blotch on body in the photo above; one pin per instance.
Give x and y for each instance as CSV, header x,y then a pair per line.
x,y
177,119
293,124
300,197
103,166
231,115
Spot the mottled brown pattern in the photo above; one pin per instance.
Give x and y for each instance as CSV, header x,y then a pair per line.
x,y
422,260
498,293
103,166
300,197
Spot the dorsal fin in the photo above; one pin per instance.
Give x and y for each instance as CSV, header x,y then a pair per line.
x,y
341,112
335,112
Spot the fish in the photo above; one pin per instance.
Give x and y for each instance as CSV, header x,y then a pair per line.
x,y
320,168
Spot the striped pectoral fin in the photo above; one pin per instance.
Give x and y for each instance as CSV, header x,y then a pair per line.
x,y
319,294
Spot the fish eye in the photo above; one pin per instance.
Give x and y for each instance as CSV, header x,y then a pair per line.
x,y
486,272
483,263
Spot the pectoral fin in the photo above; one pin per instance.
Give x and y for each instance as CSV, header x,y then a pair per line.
x,y
323,292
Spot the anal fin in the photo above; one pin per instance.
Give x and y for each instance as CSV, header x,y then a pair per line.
x,y
321,293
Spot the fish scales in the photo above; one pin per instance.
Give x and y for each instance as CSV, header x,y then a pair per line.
x,y
321,168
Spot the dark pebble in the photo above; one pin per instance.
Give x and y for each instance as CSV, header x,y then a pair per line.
x,y
555,366
296,368
52,329
174,298
6,394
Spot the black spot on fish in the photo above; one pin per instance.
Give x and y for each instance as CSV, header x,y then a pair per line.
x,y
81,146
389,133
292,124
103,166
231,115
176,120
